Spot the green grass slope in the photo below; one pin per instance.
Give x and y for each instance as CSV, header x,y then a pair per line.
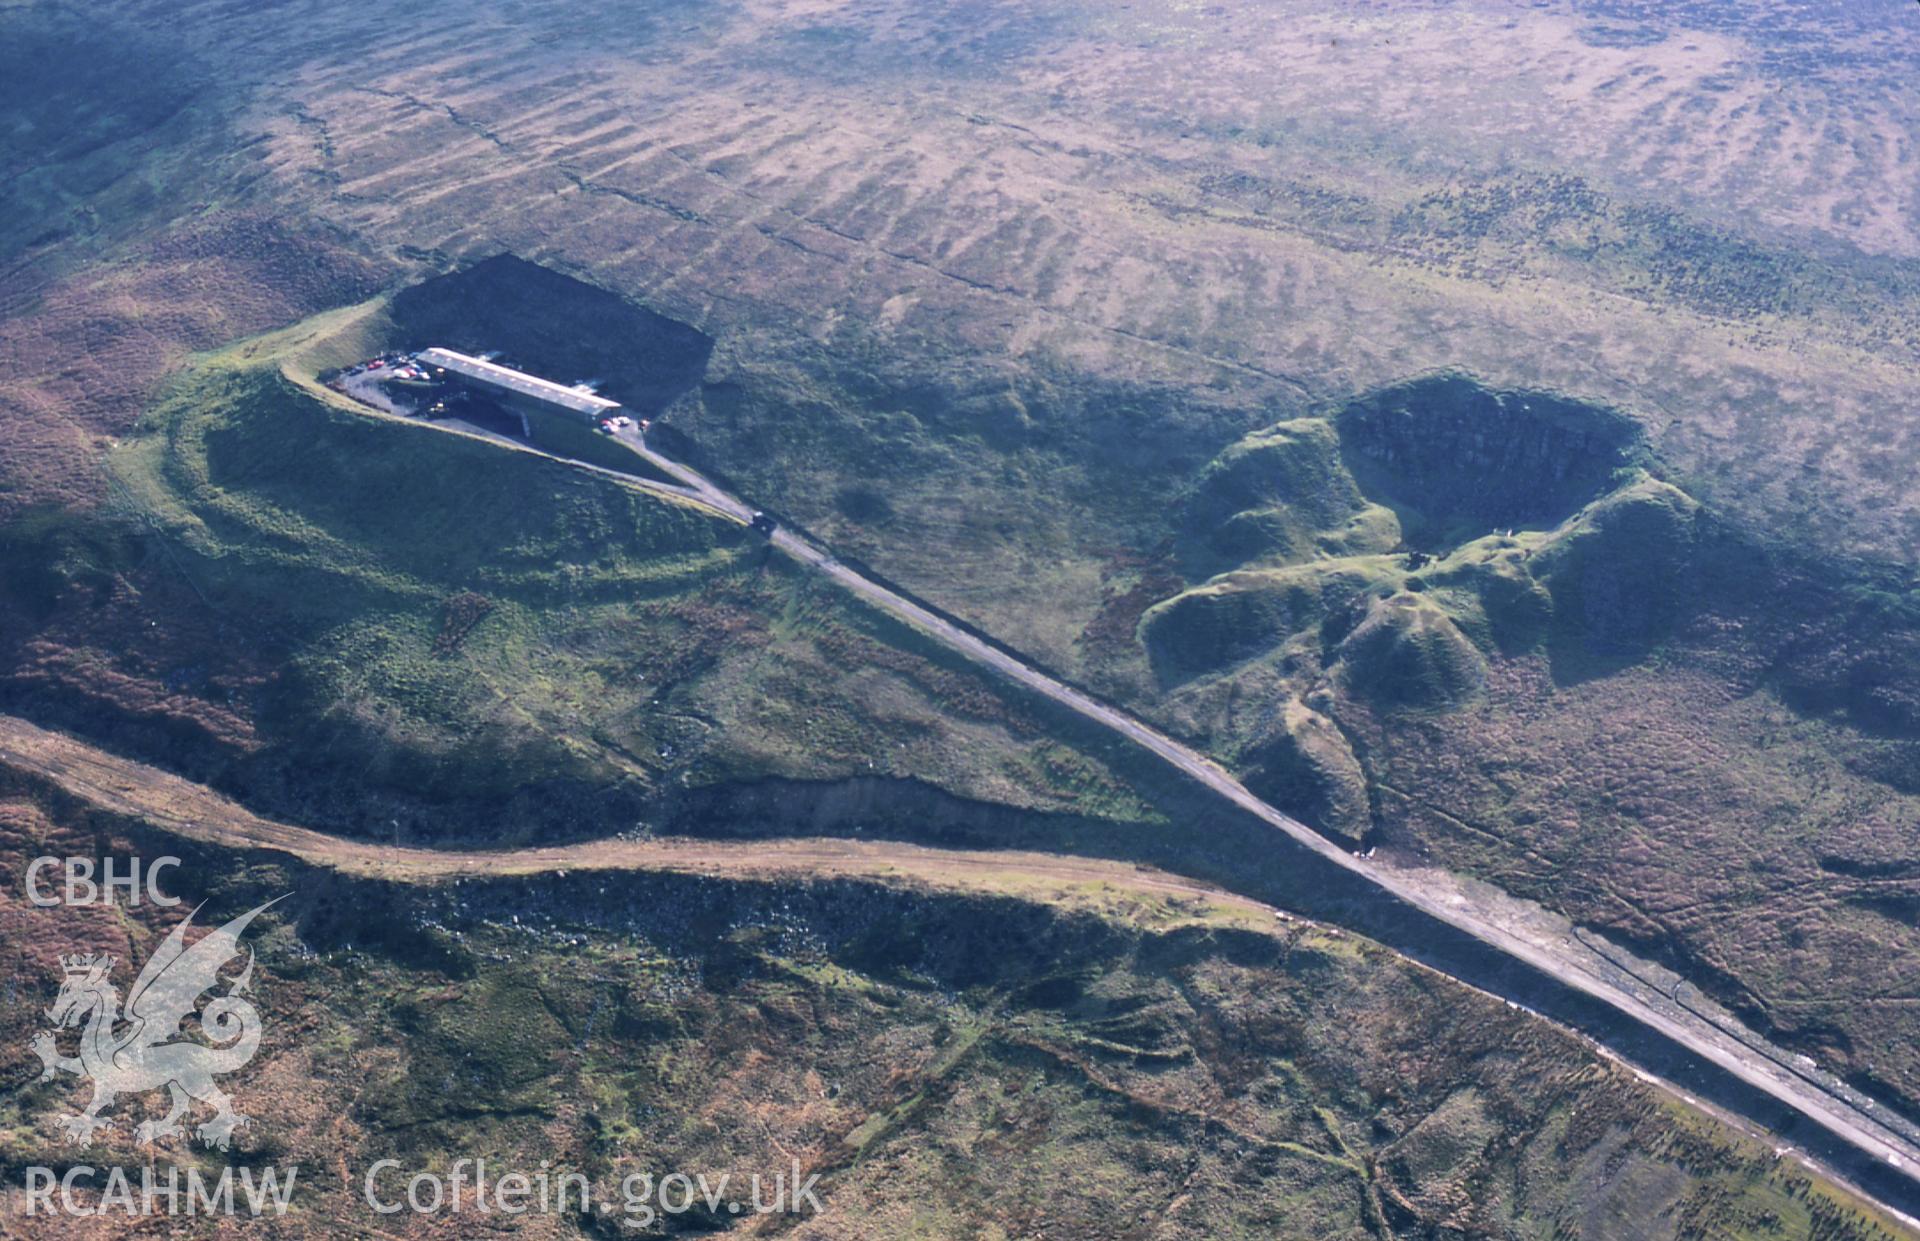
x,y
494,643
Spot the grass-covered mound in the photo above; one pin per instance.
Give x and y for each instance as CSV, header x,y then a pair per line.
x,y
1307,766
488,642
1582,704
1430,463
1389,552
434,594
260,474
1408,652
1436,493
1283,494
1621,571
1243,614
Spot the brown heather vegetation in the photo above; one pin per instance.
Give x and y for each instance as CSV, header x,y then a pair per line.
x,y
996,295
948,1059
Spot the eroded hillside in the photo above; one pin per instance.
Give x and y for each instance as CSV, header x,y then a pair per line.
x,y
945,1059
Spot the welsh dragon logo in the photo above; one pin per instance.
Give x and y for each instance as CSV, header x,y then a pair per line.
x,y
143,1050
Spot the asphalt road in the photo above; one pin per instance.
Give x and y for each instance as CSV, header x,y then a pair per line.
x,y
1845,1114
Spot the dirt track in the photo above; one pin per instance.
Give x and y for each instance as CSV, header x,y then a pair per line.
x,y
196,812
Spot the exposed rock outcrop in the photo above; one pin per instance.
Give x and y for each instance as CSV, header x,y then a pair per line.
x,y
1455,459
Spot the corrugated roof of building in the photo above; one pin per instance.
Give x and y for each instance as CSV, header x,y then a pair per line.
x,y
480,369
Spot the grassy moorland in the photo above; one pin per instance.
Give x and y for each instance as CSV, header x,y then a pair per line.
x,y
1094,324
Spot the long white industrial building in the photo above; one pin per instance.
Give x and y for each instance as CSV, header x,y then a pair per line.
x,y
506,381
